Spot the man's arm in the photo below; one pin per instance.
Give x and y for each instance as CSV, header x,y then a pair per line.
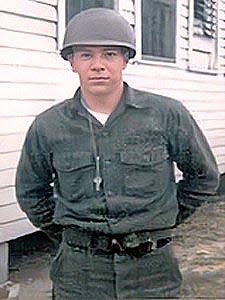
x,y
191,151
34,179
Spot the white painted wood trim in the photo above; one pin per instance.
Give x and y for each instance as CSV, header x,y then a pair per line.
x,y
16,229
30,9
178,32
219,39
4,257
138,30
190,30
61,9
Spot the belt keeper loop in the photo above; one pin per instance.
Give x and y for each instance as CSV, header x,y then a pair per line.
x,y
115,242
153,244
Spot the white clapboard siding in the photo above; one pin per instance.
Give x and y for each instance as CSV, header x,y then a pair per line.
x,y
13,230
177,94
10,108
9,160
7,196
22,40
183,22
219,151
215,124
26,57
206,101
150,72
175,83
182,33
213,134
29,91
14,124
33,77
30,9
10,213
11,142
184,9
51,2
220,162
7,178
20,74
217,141
28,25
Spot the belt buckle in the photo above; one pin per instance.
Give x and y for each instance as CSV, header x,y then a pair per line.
x,y
117,246
153,244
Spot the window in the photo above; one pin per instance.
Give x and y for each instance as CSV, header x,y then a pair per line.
x,y
153,20
158,29
205,18
203,36
73,7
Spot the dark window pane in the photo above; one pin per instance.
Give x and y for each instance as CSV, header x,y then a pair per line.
x,y
205,17
75,6
158,28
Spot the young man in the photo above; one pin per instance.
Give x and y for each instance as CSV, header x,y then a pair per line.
x,y
98,169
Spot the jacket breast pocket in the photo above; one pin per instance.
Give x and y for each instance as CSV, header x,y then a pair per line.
x,y
144,173
74,174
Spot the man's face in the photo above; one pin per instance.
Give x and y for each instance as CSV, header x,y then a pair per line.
x,y
99,68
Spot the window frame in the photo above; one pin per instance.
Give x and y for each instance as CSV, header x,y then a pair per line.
x,y
194,48
139,58
61,9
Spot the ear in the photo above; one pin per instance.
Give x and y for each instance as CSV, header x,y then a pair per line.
x,y
124,64
71,61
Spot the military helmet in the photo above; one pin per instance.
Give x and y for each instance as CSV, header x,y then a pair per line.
x,y
98,27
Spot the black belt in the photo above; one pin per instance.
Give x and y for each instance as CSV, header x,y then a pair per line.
x,y
99,243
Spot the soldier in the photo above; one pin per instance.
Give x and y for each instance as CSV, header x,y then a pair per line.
x,y
98,170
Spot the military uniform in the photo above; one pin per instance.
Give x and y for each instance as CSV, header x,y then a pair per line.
x,y
135,203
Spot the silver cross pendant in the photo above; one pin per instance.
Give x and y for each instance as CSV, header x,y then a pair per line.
x,y
97,181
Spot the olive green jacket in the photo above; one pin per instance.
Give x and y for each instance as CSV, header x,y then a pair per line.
x,y
137,148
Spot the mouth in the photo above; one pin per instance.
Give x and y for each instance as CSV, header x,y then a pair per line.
x,y
99,78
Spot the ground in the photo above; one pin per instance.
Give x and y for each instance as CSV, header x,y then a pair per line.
x,y
199,245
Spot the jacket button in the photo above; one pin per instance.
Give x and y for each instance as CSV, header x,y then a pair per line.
x,y
123,214
108,162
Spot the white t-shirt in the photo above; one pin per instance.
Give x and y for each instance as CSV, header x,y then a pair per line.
x,y
101,117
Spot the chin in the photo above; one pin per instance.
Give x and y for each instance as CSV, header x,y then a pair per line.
x,y
100,90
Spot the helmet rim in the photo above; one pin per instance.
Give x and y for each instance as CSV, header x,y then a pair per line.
x,y
98,27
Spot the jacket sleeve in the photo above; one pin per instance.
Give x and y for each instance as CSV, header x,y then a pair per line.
x,y
34,178
193,156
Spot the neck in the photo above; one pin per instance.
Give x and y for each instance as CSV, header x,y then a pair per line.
x,y
105,102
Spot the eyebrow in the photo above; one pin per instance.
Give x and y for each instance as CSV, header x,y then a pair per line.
x,y
84,48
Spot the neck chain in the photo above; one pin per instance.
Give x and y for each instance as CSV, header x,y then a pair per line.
x,y
97,179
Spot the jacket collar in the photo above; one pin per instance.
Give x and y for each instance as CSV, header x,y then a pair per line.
x,y
130,97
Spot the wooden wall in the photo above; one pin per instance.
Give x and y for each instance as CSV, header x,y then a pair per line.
x,y
33,77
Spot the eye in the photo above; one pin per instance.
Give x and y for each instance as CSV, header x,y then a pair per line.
x,y
110,54
85,55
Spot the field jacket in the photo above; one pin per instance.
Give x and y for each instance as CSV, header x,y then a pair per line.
x,y
137,148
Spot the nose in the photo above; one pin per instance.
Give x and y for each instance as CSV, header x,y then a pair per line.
x,y
97,63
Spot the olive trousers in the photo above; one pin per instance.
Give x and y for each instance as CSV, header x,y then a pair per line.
x,y
83,274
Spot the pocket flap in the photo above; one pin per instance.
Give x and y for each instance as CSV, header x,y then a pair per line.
x,y
68,162
134,158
